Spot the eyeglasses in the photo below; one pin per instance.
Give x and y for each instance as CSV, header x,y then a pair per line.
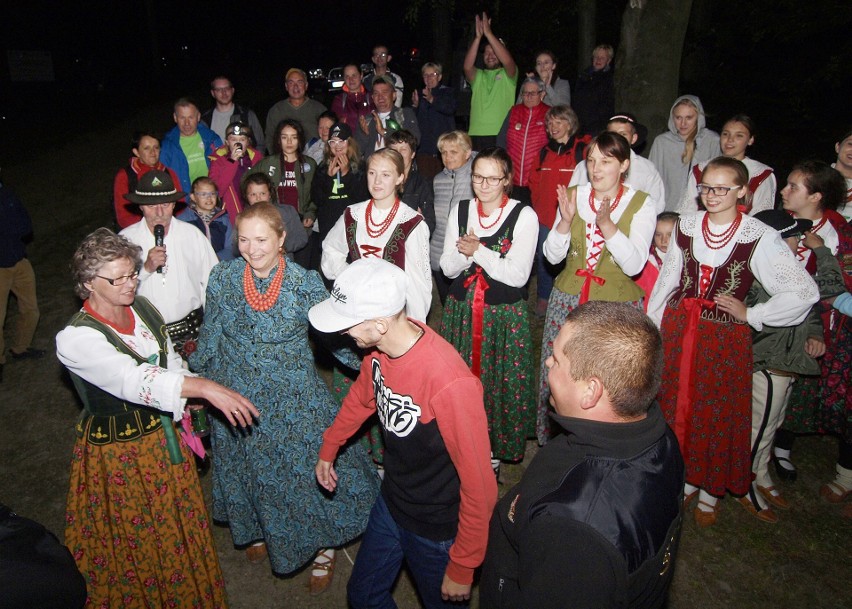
x,y
531,93
206,195
337,143
430,74
118,281
380,54
719,191
490,180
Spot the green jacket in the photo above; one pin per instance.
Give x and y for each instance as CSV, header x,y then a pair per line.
x,y
784,348
305,172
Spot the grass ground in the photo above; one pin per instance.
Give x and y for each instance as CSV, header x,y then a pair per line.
x,y
803,561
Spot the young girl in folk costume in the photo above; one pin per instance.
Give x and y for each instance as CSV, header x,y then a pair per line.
x,y
712,261
647,279
604,228
382,227
686,143
813,191
488,252
385,228
737,136
843,165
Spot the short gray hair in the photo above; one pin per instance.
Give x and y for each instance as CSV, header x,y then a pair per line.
x,y
96,250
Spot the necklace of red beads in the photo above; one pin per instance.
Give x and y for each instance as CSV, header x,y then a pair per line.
x,y
377,229
481,213
256,300
612,207
716,241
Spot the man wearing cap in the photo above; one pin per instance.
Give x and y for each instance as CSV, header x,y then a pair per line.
x,y
381,58
385,118
230,163
174,274
642,175
186,146
297,106
226,111
596,518
438,490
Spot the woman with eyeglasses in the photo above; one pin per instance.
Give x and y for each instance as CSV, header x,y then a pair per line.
x,y
713,259
488,254
523,135
603,231
737,135
135,520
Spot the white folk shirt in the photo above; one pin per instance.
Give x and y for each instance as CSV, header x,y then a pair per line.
x,y
792,290
642,176
181,287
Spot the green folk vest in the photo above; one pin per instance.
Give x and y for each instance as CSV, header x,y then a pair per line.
x,y
617,287
105,418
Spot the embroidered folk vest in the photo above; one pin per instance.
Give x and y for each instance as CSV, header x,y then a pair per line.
x,y
394,249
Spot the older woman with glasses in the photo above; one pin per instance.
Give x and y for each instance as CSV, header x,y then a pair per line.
x,y
136,521
524,133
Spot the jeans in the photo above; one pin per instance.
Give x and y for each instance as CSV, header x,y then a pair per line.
x,y
379,560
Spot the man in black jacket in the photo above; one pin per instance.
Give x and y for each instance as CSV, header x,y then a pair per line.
x,y
595,520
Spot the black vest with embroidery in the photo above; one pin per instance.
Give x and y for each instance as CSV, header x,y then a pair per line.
x,y
501,241
394,249
731,278
106,418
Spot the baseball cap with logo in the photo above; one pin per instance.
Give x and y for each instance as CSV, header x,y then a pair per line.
x,y
340,131
369,288
238,128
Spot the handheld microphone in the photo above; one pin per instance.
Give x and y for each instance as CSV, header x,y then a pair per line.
x,y
159,234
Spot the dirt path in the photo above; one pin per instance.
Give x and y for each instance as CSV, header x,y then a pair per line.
x,y
801,562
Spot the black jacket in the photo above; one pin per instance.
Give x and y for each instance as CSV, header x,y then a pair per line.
x,y
594,522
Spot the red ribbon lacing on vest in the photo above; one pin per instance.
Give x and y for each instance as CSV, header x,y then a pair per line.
x,y
478,314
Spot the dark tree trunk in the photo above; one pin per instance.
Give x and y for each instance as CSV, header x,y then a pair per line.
x,y
648,60
442,27
586,33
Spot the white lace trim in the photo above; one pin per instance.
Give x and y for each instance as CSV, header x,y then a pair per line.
x,y
750,230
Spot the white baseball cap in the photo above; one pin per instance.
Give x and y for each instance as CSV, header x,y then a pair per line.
x,y
369,288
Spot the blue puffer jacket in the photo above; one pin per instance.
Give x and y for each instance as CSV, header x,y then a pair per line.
x,y
220,232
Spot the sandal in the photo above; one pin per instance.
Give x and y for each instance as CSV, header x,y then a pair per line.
x,y
320,583
766,515
705,519
833,492
256,552
773,497
785,468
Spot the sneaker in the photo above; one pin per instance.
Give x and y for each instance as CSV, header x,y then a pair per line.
x,y
30,353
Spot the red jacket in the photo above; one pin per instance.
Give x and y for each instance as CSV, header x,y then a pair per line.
x,y
223,172
127,213
350,106
525,136
556,167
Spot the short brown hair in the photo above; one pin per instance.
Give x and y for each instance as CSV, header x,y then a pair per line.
x,y
263,210
258,178
621,346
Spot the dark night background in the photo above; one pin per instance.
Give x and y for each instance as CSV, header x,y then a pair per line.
x,y
783,62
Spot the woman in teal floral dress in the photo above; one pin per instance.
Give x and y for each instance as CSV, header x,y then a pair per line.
x,y
255,340
488,253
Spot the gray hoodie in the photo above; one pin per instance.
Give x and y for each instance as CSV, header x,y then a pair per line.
x,y
668,148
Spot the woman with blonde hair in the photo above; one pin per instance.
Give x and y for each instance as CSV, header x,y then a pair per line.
x,y
686,143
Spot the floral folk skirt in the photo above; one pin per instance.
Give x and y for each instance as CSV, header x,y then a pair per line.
x,y
507,369
717,450
138,527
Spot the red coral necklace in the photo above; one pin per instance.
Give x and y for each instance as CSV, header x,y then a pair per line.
x,y
377,229
481,213
716,241
256,300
